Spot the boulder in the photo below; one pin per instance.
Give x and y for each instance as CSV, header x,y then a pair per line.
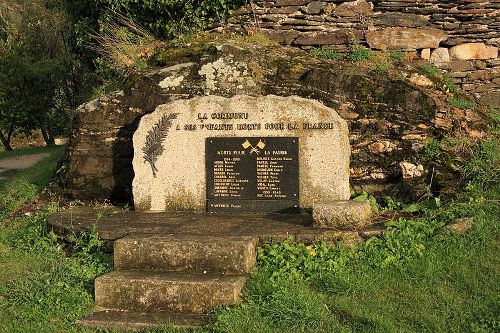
x,y
377,108
440,56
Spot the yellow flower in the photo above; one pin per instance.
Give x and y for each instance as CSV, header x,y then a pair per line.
x,y
311,250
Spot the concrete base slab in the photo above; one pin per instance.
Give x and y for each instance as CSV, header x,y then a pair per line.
x,y
125,320
172,291
113,224
188,253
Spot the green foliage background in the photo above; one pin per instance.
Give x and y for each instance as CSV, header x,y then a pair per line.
x,y
166,19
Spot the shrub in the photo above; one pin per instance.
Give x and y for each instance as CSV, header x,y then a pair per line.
x,y
170,18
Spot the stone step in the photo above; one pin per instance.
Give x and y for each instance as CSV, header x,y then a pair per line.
x,y
187,253
124,320
166,291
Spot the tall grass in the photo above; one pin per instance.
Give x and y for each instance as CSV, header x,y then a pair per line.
x,y
123,43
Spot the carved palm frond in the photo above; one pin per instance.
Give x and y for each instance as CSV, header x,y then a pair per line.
x,y
153,148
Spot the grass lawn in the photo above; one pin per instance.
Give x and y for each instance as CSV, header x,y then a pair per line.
x,y
38,175
417,278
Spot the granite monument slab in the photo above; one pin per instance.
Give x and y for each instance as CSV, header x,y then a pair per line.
x,y
177,148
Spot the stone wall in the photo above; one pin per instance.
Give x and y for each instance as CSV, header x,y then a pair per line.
x,y
461,36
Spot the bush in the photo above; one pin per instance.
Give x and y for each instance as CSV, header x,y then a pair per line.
x,y
165,18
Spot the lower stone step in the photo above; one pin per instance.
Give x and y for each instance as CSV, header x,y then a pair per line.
x,y
171,291
188,253
124,320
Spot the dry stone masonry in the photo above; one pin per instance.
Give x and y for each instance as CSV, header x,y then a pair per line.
x,y
461,36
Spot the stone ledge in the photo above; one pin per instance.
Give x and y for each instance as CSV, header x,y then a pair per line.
x,y
342,215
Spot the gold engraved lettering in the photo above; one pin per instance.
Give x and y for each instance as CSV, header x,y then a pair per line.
x,y
314,126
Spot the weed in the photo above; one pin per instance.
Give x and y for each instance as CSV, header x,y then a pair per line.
x,y
482,171
359,53
15,194
460,103
381,68
396,55
452,86
430,70
326,53
124,44
388,204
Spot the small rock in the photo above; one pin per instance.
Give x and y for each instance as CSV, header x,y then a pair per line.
x,y
291,2
425,54
420,80
315,7
461,225
342,215
470,51
440,56
329,7
479,64
60,141
377,147
461,66
353,8
382,147
410,170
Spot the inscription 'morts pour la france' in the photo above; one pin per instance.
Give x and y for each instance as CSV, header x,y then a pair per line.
x,y
252,174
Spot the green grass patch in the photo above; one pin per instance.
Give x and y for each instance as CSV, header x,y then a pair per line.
x,y
29,151
326,54
430,70
460,103
23,186
415,279
41,288
360,53
396,55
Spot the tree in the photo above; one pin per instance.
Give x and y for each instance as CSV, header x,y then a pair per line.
x,y
35,70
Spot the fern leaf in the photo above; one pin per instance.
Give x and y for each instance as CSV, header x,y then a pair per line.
x,y
153,148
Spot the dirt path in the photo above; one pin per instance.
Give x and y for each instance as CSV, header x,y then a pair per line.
x,y
20,162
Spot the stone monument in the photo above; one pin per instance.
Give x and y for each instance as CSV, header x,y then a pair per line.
x,y
240,154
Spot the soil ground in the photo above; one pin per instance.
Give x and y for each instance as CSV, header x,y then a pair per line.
x,y
12,164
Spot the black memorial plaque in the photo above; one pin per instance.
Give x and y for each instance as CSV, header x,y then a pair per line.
x,y
252,174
